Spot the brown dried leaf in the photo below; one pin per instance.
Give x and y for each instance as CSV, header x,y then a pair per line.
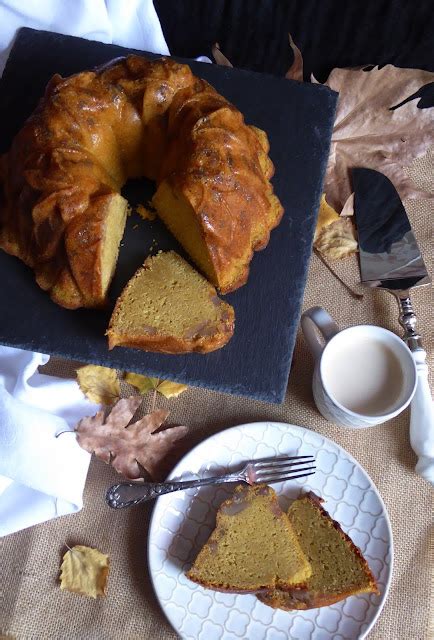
x,y
368,134
295,72
167,388
219,57
128,448
99,384
84,570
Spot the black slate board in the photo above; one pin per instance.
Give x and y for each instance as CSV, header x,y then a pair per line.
x,y
298,119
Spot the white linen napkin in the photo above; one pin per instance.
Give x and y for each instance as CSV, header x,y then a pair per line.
x,y
41,476
129,23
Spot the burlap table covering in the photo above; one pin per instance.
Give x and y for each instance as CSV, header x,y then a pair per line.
x,y
33,606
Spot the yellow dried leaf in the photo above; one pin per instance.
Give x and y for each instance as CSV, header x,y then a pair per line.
x,y
145,213
171,389
167,388
142,383
337,240
84,570
326,215
99,384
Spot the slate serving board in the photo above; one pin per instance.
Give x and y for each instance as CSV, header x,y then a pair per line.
x,y
298,119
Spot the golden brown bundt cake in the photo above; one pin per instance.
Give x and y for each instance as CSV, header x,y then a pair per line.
x,y
167,306
338,568
252,546
61,211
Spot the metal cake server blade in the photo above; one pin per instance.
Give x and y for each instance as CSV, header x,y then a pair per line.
x,y
390,259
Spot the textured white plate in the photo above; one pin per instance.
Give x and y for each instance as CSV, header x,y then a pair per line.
x,y
182,521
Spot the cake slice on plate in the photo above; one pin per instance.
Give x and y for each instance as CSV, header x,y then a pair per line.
x,y
167,306
252,548
338,568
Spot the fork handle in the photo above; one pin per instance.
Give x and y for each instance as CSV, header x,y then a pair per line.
x,y
126,494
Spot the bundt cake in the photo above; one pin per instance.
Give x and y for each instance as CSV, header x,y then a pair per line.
x,y
167,306
338,567
61,211
253,546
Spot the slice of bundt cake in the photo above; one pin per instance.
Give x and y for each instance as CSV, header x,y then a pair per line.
x,y
167,306
253,546
338,567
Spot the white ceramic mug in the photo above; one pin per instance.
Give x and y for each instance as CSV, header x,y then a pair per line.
x,y
364,375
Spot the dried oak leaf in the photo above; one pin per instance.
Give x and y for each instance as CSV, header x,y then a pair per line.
x,y
219,57
99,384
128,448
369,133
167,388
295,72
334,235
84,570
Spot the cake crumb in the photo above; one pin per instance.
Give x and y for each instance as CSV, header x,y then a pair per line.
x,y
146,213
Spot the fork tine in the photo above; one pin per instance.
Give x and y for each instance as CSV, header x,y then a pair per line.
x,y
290,477
265,462
281,466
274,476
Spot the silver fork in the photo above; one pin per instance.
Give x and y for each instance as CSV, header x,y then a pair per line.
x,y
264,470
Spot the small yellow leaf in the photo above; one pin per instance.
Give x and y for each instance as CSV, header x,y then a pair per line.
x,y
99,384
84,570
337,240
144,384
326,215
171,389
334,235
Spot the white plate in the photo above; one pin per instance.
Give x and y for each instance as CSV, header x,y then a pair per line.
x,y
182,521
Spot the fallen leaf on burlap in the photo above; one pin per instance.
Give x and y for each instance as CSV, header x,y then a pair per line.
x,y
129,448
84,570
99,384
369,133
295,72
167,388
337,240
219,57
334,235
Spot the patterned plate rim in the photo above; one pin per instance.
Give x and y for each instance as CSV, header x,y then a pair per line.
x,y
176,470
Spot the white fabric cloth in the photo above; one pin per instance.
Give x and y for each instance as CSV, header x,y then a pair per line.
x,y
41,476
129,23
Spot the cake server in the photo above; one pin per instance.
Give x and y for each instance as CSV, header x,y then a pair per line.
x,y
391,260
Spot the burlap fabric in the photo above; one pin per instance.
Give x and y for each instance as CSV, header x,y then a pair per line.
x,y
32,604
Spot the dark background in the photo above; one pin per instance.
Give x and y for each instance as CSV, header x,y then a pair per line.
x,y
253,34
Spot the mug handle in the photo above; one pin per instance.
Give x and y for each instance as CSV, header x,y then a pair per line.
x,y
319,318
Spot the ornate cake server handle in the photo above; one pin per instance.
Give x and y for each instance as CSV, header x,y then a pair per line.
x,y
421,407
